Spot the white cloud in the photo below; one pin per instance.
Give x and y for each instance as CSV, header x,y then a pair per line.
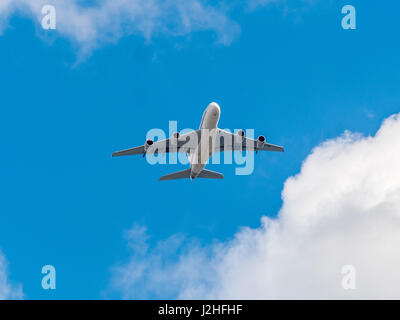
x,y
106,21
7,291
343,208
109,20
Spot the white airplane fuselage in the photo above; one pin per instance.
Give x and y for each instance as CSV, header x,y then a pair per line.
x,y
205,149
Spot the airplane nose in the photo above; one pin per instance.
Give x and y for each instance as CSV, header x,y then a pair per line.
x,y
214,107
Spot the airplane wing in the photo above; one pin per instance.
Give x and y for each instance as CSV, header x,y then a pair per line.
x,y
229,142
184,143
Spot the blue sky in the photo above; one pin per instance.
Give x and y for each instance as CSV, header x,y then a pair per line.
x,y
298,78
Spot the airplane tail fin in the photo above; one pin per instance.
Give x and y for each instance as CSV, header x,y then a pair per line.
x,y
186,174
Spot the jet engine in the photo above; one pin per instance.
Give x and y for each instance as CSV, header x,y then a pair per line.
x,y
174,138
241,134
147,144
260,142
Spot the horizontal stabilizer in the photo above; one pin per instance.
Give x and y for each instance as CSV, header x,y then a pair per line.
x,y
176,175
210,174
186,174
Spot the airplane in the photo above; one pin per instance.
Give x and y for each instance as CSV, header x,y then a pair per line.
x,y
200,145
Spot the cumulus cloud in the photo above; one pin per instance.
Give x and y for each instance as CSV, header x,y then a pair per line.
x,y
343,208
108,20
7,291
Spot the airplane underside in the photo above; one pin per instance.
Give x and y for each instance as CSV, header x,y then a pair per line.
x,y
200,145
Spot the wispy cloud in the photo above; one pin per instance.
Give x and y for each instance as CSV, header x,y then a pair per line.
x,y
343,208
7,290
109,20
90,25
